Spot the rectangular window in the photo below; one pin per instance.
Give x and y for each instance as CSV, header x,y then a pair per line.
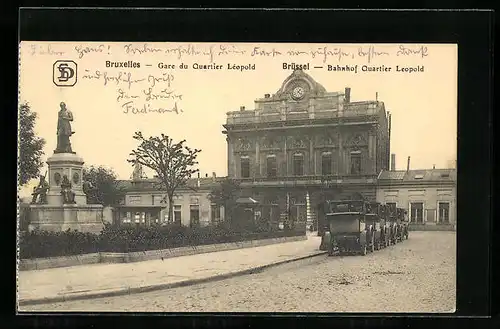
x,y
177,214
134,199
215,213
194,215
444,212
417,212
245,167
271,166
355,163
157,199
298,164
391,205
128,217
139,217
326,163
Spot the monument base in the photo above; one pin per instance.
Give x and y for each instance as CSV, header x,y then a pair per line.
x,y
83,218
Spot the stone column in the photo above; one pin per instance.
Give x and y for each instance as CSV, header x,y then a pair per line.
x,y
371,153
231,172
257,158
341,161
312,167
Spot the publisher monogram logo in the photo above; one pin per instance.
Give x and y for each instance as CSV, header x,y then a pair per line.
x,y
65,73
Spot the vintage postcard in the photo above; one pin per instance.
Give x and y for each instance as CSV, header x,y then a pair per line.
x,y
237,177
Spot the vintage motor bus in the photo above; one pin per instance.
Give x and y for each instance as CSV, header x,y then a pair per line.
x,y
376,217
392,220
347,230
402,224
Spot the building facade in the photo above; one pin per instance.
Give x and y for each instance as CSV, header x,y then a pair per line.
x,y
304,145
145,204
428,195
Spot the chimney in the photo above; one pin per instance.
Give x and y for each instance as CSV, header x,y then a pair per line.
x,y
347,95
267,95
376,96
242,108
389,116
393,162
408,165
433,166
206,175
198,180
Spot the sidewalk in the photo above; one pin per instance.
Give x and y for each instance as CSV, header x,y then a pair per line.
x,y
101,280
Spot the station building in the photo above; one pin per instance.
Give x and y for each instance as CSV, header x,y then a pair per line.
x,y
429,195
303,145
145,204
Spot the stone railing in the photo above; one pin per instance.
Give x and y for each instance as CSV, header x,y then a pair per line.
x,y
310,180
253,117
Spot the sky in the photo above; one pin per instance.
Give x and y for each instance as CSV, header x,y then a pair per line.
x,y
423,104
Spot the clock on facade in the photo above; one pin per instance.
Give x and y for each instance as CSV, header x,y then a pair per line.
x,y
298,92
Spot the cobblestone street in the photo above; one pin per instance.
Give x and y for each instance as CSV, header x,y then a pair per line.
x,y
417,275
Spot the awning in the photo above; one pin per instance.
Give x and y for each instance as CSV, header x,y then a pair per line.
x,y
246,201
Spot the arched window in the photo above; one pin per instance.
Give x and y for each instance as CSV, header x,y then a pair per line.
x,y
355,162
245,166
326,163
298,164
271,166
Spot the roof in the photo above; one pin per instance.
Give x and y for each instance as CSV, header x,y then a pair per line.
x,y
151,183
246,200
424,175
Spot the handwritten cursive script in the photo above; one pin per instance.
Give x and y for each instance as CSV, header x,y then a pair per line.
x,y
45,50
82,51
325,53
131,108
420,51
112,78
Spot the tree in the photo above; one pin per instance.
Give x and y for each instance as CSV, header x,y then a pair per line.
x,y
225,194
103,188
30,146
172,162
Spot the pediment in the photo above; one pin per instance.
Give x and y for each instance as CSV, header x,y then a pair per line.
x,y
299,77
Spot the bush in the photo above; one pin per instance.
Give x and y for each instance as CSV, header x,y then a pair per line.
x,y
131,238
37,244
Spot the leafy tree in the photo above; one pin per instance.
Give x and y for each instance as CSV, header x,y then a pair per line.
x,y
172,162
101,186
225,194
30,146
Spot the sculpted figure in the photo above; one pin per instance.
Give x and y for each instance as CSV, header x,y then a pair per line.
x,y
87,187
64,130
40,191
66,192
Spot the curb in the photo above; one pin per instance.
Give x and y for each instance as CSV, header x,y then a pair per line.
x,y
160,286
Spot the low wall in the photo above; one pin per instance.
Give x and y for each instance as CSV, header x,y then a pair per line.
x,y
431,227
109,257
52,262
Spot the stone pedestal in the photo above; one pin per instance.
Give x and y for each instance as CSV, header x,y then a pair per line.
x,y
56,216
68,164
84,218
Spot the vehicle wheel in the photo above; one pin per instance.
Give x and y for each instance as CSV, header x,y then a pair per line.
x,y
364,250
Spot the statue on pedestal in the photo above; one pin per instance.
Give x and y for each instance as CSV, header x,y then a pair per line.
x,y
66,192
40,191
64,130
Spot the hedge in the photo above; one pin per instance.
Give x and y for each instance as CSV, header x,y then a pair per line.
x,y
122,239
